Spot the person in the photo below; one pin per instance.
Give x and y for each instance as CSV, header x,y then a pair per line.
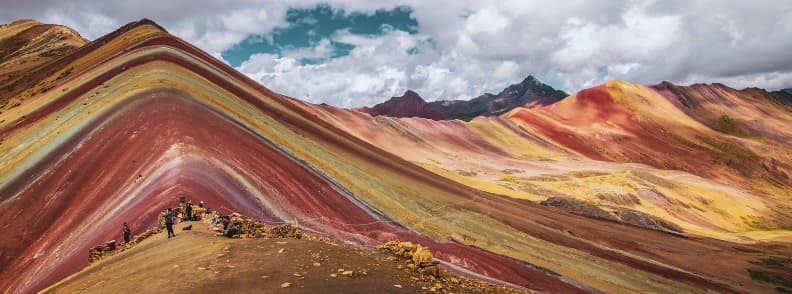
x,y
127,232
232,230
189,211
169,222
200,204
226,221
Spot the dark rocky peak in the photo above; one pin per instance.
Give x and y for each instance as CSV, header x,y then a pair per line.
x,y
410,104
410,95
533,86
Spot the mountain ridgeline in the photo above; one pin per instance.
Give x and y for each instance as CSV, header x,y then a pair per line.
x,y
530,91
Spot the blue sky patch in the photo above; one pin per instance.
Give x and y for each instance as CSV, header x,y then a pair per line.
x,y
602,72
307,27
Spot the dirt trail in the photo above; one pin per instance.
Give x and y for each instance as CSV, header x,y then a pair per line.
x,y
197,261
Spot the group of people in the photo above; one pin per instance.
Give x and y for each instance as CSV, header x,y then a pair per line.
x,y
169,216
229,227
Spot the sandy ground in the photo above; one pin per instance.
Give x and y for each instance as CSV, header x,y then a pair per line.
x,y
197,261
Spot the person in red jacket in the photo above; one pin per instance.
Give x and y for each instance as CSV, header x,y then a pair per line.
x,y
127,232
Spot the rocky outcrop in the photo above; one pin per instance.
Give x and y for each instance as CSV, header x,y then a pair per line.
x,y
579,207
646,220
623,215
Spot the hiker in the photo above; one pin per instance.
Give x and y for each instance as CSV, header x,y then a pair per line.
x,y
233,229
169,222
189,211
226,221
127,232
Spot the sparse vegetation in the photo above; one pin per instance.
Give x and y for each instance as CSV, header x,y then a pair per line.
x,y
728,148
727,124
65,73
772,262
11,86
731,126
769,277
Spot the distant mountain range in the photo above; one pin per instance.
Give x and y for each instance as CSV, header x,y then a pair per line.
x,y
529,91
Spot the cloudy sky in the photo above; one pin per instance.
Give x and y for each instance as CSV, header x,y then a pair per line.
x,y
358,52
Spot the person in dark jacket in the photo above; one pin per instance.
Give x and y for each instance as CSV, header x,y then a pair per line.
x,y
127,232
169,222
188,209
233,229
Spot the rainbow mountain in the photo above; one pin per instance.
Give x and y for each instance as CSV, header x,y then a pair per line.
x,y
618,188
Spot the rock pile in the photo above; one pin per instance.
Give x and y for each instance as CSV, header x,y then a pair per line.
x,y
432,278
285,231
420,257
251,228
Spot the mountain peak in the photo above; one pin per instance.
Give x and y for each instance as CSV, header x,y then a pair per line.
x,y
410,95
530,79
410,104
532,85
